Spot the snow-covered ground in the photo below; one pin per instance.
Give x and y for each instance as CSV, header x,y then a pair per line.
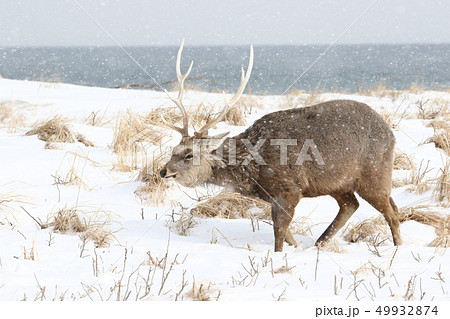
x,y
148,256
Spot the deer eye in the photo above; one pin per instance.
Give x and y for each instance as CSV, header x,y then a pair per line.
x,y
188,156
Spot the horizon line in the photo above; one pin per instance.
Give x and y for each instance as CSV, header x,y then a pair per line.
x,y
220,45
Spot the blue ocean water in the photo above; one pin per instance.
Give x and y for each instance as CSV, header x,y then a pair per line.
x,y
347,68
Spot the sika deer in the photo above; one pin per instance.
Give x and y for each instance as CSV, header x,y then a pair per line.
x,y
334,148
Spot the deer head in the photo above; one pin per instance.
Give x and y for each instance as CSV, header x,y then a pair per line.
x,y
193,158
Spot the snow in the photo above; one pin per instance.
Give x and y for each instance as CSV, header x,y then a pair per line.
x,y
224,259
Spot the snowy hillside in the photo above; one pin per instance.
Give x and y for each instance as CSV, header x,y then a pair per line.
x,y
88,219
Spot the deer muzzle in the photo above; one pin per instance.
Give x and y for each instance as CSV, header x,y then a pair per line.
x,y
165,174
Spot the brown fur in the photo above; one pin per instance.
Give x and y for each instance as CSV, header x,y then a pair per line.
x,y
356,146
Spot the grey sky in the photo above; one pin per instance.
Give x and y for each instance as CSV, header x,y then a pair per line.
x,y
220,22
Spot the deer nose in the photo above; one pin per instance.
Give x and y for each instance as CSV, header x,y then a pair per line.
x,y
163,173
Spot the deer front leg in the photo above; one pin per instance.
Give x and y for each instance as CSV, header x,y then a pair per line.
x,y
289,238
282,214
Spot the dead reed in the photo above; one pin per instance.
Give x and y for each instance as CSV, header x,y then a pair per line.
x,y
9,203
233,206
419,182
441,137
202,292
442,187
198,115
333,246
131,135
375,228
402,161
94,229
68,221
301,226
153,191
367,230
388,117
57,130
170,114
11,115
425,215
236,116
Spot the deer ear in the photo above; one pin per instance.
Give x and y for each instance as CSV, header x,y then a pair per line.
x,y
218,136
213,142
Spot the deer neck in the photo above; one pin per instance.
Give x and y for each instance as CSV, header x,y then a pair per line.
x,y
231,174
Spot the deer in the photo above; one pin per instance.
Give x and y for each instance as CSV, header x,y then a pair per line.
x,y
335,148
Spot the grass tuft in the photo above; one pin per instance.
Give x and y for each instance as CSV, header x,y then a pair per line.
x,y
368,230
442,188
11,115
423,214
153,191
56,130
402,161
69,221
232,206
131,135
441,139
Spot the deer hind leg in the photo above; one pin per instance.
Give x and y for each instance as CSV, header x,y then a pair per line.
x,y
386,206
348,204
282,213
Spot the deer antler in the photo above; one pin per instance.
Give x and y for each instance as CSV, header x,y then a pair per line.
x,y
245,76
178,101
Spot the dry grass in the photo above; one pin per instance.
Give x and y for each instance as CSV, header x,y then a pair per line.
x,y
439,112
300,98
367,231
69,221
97,119
131,134
170,114
153,192
248,103
236,116
333,246
419,183
399,182
442,187
431,109
56,130
416,89
202,292
99,235
233,206
441,137
301,226
75,172
10,115
9,203
424,215
375,229
381,90
198,115
388,117
185,223
442,239
402,161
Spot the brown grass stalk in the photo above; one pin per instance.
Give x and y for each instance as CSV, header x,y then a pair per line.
x,y
233,206
57,130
